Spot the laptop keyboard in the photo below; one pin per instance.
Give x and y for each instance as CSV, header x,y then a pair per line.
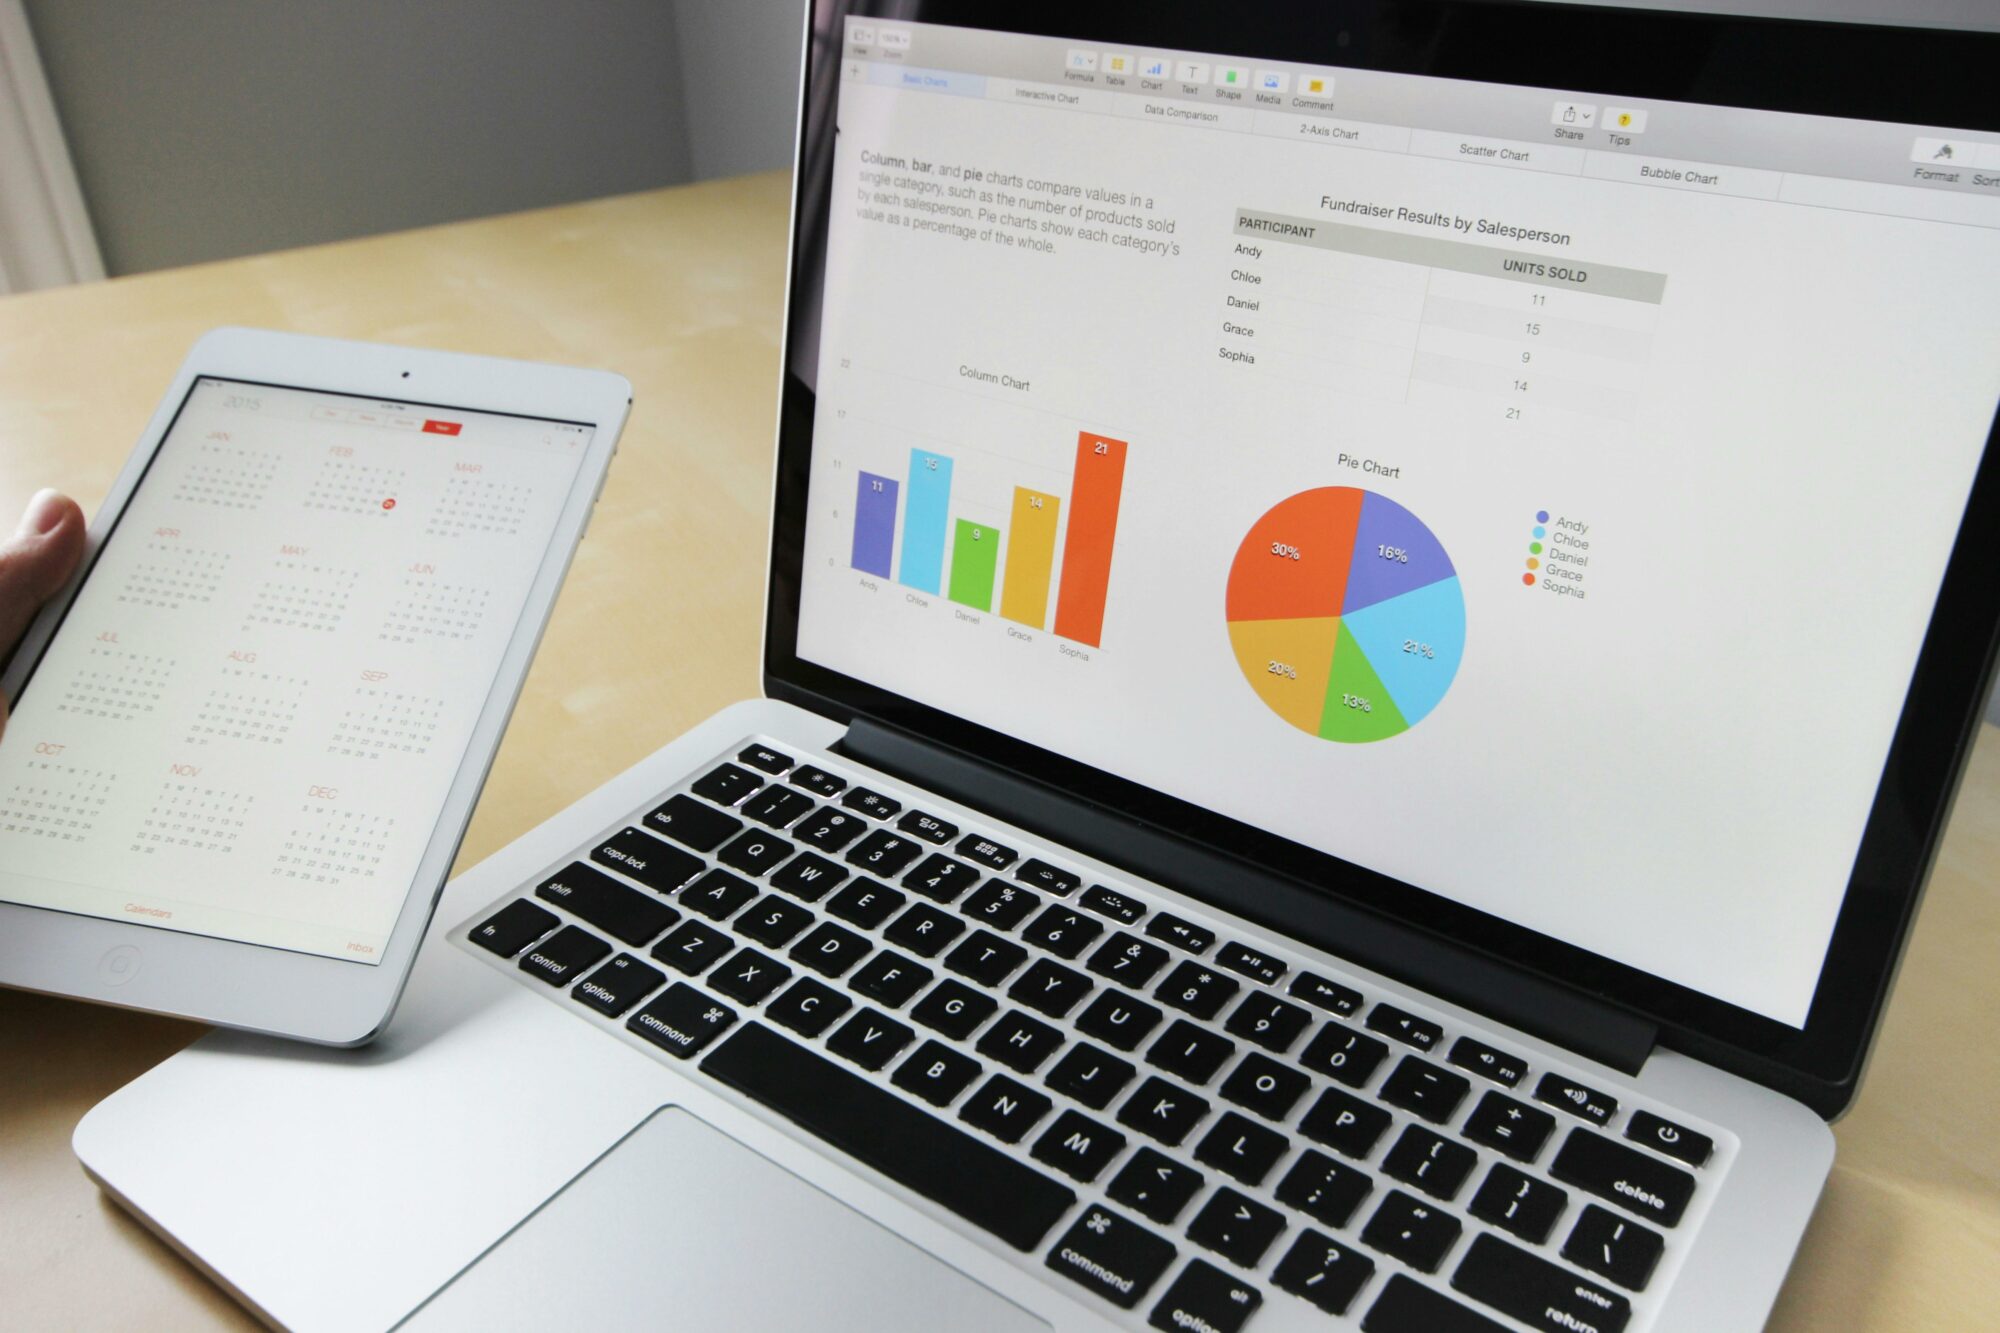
x,y
1176,1120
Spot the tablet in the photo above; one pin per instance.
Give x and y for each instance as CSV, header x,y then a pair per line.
x,y
247,738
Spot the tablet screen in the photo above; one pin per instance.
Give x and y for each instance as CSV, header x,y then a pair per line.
x,y
251,715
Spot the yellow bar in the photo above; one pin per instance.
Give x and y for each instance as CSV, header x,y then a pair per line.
x,y
1031,557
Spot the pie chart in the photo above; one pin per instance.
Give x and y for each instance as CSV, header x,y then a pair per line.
x,y
1345,614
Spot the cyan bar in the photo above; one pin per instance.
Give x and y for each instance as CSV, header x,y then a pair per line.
x,y
924,521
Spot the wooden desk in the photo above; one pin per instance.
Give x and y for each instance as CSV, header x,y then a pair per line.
x,y
681,290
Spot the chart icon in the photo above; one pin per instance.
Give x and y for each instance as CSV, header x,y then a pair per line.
x,y
1345,614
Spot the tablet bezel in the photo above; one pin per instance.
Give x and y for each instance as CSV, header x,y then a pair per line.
x,y
260,987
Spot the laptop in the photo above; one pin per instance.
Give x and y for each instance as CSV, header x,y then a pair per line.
x,y
1368,647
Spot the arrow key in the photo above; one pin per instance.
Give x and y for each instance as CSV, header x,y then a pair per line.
x,y
1204,1296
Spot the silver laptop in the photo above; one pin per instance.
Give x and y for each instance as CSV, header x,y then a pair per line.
x,y
1368,648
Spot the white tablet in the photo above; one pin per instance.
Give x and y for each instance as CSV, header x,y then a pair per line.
x,y
247,738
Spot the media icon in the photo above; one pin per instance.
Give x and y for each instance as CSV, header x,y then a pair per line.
x,y
1272,81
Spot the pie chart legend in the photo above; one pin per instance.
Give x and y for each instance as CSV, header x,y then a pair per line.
x,y
1345,614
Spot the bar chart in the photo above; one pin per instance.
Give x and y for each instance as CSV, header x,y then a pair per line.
x,y
1052,548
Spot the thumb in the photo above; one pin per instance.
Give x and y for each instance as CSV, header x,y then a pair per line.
x,y
40,557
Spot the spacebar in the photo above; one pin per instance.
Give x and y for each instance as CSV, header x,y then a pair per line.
x,y
918,1151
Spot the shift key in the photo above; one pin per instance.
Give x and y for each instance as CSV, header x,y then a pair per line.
x,y
605,903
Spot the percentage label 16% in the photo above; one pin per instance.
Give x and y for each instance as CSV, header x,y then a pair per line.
x,y
1396,553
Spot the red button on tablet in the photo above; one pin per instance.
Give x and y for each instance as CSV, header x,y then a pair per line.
x,y
441,427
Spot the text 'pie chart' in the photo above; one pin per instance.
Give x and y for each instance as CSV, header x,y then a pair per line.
x,y
1345,614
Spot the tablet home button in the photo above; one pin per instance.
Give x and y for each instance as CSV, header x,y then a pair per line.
x,y
119,965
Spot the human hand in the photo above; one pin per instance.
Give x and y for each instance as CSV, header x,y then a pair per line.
x,y
38,560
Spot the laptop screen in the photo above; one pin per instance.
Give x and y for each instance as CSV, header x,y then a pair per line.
x,y
1538,498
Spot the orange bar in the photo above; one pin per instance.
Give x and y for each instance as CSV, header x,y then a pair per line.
x,y
1093,522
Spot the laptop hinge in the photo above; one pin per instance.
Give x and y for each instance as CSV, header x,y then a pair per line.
x,y
1587,1024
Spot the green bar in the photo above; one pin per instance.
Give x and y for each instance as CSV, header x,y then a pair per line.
x,y
975,554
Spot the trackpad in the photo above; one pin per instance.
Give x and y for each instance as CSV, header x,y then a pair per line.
x,y
681,1226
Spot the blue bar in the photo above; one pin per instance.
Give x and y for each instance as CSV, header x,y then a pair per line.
x,y
874,524
924,521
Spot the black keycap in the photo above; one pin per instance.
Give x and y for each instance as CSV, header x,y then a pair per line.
x,y
681,1020
871,803
1517,1202
1163,1111
1005,1109
818,781
1323,994
1039,874
1078,1146
1109,902
1487,1062
1665,1136
1192,1052
1201,991
935,1073
924,930
906,1143
514,927
684,819
1090,1075
829,829
954,1009
865,903
985,957
890,978
624,913
1000,905
1342,1054
1418,1233
1574,1097
777,806
884,853
1155,1185
1324,1189
1430,1161
691,946
1629,1178
1181,934
1236,1227
808,876
1420,1087
1614,1247
717,894
1407,1306
870,1039
618,985
1418,1032
1050,988
1020,1042
774,921
1269,1021
985,851
928,827
726,785
1127,960
754,852
1118,1019
1535,1291
564,956
660,866
809,1007
1327,1272
749,976
1115,1258
1265,1086
765,758
1062,931
940,878
1508,1126
1207,1298
829,949
1241,1148
1345,1123
1252,963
